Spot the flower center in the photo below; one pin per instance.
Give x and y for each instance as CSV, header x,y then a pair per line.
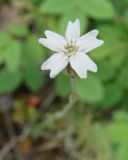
x,y
70,49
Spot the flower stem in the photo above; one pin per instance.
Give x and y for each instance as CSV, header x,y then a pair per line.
x,y
74,96
73,83
72,99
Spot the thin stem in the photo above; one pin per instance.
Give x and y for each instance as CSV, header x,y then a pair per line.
x,y
67,107
72,99
73,83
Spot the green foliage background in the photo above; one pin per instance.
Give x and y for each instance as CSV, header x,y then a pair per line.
x,y
21,57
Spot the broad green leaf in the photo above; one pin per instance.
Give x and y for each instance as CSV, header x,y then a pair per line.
x,y
118,61
32,51
90,90
9,81
113,44
123,77
11,55
5,39
99,9
52,24
10,51
20,31
116,132
113,95
114,29
122,152
120,116
56,6
103,51
106,71
62,84
33,78
73,15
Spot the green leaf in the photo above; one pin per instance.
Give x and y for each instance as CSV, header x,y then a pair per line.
x,y
32,51
121,116
9,81
62,83
113,44
56,6
123,77
113,95
106,71
90,90
33,78
20,31
100,9
118,61
5,39
122,152
116,132
73,15
13,55
10,52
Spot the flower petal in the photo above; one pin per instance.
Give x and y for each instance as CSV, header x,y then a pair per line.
x,y
89,41
53,41
73,31
81,63
55,36
56,63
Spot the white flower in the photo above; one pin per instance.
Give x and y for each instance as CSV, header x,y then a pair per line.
x,y
70,49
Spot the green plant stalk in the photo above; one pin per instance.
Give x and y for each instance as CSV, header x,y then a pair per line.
x,y
72,98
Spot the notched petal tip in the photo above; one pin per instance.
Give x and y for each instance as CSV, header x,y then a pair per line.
x,y
95,69
73,30
46,31
41,40
74,21
77,21
52,75
83,77
95,32
42,67
100,42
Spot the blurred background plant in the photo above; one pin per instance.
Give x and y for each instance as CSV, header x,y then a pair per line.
x,y
96,128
